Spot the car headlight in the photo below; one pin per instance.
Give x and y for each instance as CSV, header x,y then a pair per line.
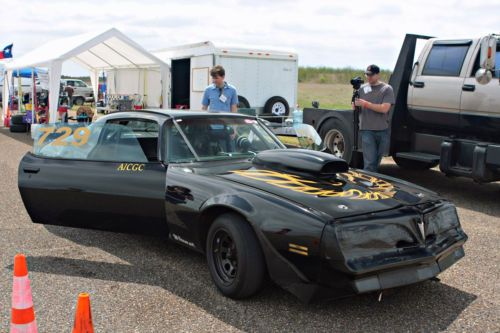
x,y
441,219
373,236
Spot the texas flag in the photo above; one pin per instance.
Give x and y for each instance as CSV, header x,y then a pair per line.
x,y
7,52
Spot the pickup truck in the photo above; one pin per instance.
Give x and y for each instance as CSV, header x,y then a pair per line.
x,y
447,109
83,93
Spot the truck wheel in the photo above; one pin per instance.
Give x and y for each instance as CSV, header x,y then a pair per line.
x,y
234,256
276,106
78,100
337,138
243,102
404,163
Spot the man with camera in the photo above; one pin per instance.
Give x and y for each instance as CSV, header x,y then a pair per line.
x,y
375,100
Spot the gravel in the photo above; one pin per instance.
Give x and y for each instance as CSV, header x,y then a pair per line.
x,y
146,284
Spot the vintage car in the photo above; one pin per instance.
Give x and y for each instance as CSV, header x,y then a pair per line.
x,y
224,185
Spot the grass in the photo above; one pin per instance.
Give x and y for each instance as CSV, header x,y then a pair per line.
x,y
329,86
329,96
328,75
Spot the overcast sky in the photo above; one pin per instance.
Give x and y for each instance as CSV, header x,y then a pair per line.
x,y
324,33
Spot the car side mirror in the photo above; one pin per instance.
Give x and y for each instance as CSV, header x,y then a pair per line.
x,y
483,76
315,104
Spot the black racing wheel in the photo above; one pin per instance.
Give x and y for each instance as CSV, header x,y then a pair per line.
x,y
234,256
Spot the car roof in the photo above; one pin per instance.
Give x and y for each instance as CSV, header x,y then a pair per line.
x,y
169,113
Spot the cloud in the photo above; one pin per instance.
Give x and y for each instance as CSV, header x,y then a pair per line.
x,y
325,33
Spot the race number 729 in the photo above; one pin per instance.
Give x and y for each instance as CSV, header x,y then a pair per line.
x,y
80,136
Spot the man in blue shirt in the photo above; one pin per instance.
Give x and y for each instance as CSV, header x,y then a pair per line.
x,y
219,96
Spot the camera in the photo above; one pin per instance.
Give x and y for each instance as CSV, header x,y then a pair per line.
x,y
357,82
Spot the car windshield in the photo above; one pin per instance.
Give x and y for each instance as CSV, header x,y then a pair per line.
x,y
214,138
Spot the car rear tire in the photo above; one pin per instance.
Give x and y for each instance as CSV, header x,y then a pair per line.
x,y
413,165
78,100
337,137
243,102
276,106
234,256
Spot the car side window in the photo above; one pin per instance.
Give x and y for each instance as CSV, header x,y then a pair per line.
x,y
177,149
145,132
111,142
445,60
79,84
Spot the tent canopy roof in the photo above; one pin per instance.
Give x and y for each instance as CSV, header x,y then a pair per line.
x,y
95,51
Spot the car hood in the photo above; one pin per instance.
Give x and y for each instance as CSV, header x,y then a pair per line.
x,y
344,194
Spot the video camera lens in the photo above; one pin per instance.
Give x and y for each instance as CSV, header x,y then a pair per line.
x,y
357,82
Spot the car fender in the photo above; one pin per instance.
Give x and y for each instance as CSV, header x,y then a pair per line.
x,y
263,212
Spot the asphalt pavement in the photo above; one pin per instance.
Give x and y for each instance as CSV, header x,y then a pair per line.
x,y
146,284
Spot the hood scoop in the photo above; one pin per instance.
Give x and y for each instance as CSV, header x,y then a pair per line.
x,y
301,161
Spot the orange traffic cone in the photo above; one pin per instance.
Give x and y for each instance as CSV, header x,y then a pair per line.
x,y
23,313
83,316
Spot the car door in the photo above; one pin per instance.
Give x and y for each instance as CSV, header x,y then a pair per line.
x,y
480,104
437,87
114,182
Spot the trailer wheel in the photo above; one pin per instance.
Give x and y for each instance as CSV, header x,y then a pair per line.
x,y
243,102
404,163
276,106
337,137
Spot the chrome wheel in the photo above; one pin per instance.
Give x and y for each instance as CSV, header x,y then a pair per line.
x,y
278,109
335,142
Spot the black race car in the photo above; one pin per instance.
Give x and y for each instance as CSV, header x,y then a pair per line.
x,y
224,185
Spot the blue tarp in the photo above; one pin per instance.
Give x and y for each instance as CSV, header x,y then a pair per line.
x,y
26,72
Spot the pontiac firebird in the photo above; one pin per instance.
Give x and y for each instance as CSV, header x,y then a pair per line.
x,y
224,185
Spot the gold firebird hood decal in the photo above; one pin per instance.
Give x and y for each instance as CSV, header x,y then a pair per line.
x,y
377,188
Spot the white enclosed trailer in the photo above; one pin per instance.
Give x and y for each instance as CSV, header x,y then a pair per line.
x,y
265,79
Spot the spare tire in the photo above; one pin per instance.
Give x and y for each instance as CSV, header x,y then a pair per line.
x,y
16,128
17,119
276,106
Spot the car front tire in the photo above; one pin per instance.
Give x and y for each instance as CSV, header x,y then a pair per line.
x,y
234,256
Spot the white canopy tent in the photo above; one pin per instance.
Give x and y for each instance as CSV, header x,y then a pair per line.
x,y
131,69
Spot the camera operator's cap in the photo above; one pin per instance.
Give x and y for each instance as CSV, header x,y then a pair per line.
x,y
372,69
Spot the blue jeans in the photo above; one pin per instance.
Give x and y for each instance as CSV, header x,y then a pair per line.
x,y
374,144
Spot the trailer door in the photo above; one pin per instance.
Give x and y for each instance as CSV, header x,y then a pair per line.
x,y
200,78
180,83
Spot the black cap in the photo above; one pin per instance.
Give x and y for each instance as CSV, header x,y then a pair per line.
x,y
372,69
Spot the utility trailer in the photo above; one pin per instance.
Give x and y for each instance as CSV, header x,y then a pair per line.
x,y
266,80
